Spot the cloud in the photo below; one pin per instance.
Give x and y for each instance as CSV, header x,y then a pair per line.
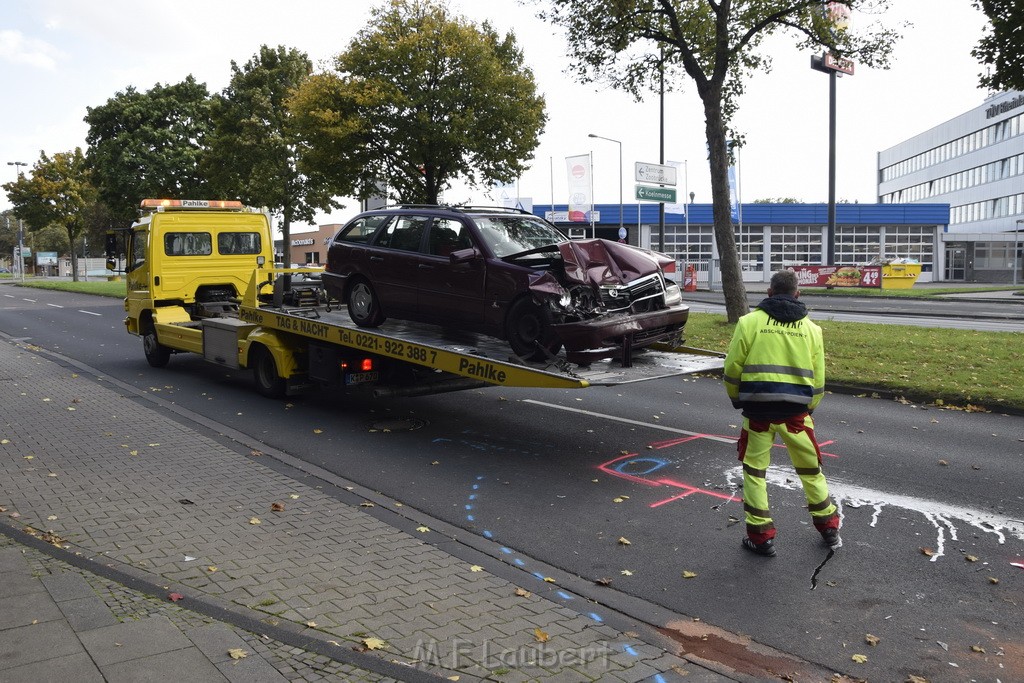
x,y
17,49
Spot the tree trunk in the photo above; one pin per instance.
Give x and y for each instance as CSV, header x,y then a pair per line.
x,y
72,236
732,277
286,230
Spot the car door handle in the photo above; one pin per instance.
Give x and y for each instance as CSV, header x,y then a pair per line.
x,y
376,259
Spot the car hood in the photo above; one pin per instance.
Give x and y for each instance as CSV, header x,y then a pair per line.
x,y
599,262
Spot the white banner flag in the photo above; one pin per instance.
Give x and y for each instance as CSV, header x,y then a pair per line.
x,y
581,187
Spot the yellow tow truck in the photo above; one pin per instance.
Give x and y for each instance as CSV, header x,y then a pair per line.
x,y
201,279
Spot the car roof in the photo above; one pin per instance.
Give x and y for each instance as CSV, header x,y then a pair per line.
x,y
450,208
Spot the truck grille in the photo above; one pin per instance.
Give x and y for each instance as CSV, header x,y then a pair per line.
x,y
622,297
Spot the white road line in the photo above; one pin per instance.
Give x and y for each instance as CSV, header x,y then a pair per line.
x,y
31,301
9,296
89,312
625,420
55,305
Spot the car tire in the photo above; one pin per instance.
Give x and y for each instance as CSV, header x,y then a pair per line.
x,y
363,305
528,331
264,370
157,355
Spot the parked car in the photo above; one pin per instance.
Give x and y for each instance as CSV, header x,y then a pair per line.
x,y
505,273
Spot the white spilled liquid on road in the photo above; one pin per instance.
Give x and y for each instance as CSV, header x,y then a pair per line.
x,y
943,516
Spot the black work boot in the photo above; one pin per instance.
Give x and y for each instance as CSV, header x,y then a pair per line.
x,y
767,548
831,538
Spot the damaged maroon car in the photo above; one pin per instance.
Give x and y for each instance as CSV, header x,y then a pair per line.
x,y
508,274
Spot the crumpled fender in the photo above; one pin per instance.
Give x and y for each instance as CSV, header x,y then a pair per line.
x,y
603,262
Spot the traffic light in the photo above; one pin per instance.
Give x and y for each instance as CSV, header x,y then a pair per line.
x,y
110,244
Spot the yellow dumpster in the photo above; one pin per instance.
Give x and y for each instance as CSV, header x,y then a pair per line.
x,y
900,275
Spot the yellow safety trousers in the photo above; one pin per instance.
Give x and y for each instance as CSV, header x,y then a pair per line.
x,y
755,451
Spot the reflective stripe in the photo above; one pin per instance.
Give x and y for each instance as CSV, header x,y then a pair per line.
x,y
756,511
775,396
731,380
823,505
760,474
808,470
779,369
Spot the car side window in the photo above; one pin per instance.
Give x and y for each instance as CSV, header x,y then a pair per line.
x,y
405,233
361,229
448,235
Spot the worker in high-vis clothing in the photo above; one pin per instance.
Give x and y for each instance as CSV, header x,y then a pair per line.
x,y
775,373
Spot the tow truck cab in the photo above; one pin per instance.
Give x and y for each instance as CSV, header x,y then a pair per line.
x,y
191,259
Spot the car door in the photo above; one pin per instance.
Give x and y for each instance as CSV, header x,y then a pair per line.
x,y
394,265
452,293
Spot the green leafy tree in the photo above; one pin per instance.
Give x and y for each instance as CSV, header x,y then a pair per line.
x,y
59,192
1001,48
715,44
255,150
420,98
149,145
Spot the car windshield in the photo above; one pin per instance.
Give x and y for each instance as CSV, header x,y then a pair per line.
x,y
507,235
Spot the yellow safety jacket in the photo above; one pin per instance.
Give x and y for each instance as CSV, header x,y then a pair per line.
x,y
775,366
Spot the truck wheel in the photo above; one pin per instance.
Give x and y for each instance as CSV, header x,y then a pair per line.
x,y
157,355
264,370
528,331
363,305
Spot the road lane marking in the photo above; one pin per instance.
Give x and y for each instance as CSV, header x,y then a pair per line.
x,y
89,312
31,301
55,305
638,423
937,513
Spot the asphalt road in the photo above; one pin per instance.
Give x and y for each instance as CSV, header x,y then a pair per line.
x,y
932,500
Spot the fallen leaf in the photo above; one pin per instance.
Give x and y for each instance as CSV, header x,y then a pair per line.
x,y
455,678
626,572
311,624
5,440
237,653
523,593
993,580
871,640
860,659
943,463
927,551
211,569
603,581
915,679
476,568
153,445
52,474
374,643
436,462
255,454
977,648
366,504
548,579
277,507
540,636
175,597
618,500
318,431
624,541
970,558
294,496
423,529
689,575
133,452
51,518
30,457
255,520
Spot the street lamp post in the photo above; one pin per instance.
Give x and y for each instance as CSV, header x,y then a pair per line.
x,y
619,143
1016,250
21,231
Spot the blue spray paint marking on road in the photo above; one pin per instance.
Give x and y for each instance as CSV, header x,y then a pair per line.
x,y
640,466
488,534
596,617
507,551
564,595
659,679
519,562
628,649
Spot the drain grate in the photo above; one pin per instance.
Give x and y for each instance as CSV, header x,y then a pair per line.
x,y
403,424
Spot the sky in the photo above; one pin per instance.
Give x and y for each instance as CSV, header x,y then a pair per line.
x,y
58,57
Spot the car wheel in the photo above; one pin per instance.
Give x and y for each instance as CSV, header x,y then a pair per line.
x,y
363,305
157,355
264,369
528,330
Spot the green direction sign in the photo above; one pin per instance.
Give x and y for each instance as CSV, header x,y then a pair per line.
x,y
646,193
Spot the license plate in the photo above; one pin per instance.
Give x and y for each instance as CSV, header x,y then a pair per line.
x,y
361,377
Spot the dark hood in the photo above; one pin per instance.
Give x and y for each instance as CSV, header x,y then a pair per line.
x,y
784,308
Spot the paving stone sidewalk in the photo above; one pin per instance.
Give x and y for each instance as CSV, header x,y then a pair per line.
x,y
107,478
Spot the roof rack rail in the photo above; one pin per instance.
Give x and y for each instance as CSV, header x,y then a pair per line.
x,y
505,209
